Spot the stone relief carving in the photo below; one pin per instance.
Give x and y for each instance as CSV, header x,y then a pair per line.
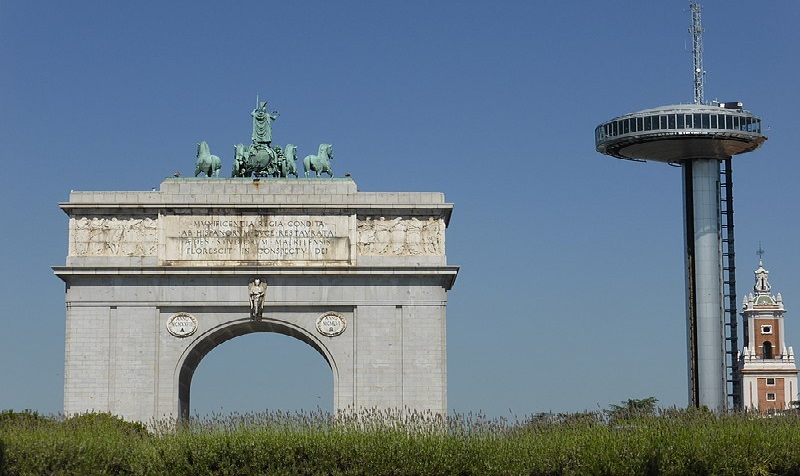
x,y
133,236
400,237
123,236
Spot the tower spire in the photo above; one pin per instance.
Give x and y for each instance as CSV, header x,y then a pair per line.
x,y
760,252
697,53
762,280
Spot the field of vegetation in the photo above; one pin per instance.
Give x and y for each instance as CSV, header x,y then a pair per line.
x,y
615,442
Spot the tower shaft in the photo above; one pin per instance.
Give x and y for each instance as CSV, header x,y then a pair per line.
x,y
704,326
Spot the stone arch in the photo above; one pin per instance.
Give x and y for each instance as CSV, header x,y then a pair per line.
x,y
204,343
137,259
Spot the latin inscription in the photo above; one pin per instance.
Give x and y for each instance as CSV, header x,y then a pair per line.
x,y
331,324
182,324
258,238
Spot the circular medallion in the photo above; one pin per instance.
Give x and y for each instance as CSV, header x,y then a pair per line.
x,y
331,324
182,324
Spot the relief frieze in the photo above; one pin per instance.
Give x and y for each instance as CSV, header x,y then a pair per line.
x,y
113,236
400,236
283,239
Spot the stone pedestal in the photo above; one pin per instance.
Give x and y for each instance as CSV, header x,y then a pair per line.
x,y
155,280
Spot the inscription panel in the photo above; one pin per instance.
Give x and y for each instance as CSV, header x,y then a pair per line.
x,y
281,240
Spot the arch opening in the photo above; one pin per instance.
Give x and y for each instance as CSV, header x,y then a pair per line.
x,y
268,329
766,350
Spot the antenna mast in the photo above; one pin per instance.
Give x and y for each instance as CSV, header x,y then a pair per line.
x,y
697,53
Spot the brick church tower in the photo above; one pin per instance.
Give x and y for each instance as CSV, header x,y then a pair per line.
x,y
766,366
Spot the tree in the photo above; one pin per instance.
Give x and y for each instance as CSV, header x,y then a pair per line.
x,y
632,408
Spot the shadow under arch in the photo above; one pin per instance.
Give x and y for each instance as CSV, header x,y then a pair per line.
x,y
207,341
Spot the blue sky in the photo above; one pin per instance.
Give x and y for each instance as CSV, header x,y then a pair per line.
x,y
570,294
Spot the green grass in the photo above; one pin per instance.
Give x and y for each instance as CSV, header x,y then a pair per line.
x,y
676,442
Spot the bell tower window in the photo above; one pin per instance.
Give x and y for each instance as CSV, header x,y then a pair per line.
x,y
766,350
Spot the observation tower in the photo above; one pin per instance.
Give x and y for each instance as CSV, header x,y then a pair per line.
x,y
701,138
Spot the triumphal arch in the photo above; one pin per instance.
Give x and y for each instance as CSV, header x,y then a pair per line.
x,y
156,279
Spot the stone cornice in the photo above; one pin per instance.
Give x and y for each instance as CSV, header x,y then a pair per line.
x,y
447,274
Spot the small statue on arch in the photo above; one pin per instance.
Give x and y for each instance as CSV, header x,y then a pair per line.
x,y
257,290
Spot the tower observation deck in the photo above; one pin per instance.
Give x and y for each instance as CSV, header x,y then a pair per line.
x,y
701,138
681,133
